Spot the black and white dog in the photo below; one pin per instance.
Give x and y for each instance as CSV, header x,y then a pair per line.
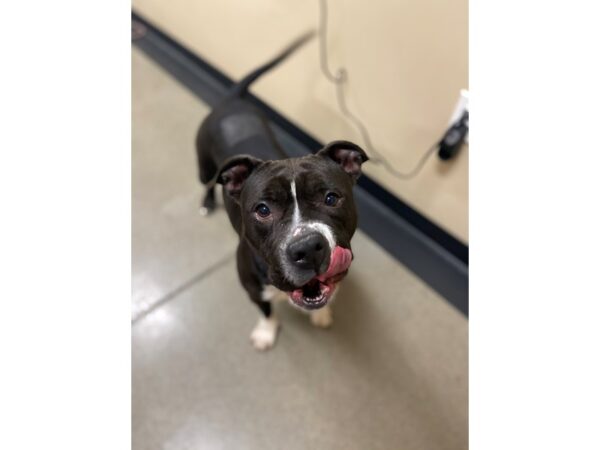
x,y
295,216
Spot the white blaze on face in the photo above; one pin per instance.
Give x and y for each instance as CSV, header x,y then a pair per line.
x,y
298,227
296,215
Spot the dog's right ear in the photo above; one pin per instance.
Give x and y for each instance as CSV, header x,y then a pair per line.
x,y
234,172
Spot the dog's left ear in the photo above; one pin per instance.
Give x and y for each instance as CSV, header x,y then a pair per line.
x,y
348,155
234,173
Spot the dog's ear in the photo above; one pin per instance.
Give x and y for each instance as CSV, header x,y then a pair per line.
x,y
234,172
348,155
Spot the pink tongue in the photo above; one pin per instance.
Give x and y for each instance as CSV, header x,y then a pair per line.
x,y
340,261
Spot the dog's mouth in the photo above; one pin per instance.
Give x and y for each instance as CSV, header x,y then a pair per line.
x,y
317,292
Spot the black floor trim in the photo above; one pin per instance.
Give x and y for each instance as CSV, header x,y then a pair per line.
x,y
429,251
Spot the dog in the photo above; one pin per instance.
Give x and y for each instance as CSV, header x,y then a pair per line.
x,y
295,217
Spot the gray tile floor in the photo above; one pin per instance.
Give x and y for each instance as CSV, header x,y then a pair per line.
x,y
390,374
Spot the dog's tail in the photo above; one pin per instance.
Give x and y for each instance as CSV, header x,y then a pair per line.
x,y
242,86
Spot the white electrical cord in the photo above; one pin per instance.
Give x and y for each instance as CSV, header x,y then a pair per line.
x,y
339,79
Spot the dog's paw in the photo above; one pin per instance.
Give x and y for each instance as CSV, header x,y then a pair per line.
x,y
206,211
265,333
322,318
208,205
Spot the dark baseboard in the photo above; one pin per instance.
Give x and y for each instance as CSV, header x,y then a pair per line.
x,y
426,249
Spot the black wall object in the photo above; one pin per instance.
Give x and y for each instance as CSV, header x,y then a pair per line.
x,y
426,249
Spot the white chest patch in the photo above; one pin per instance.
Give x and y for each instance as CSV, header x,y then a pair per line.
x,y
271,294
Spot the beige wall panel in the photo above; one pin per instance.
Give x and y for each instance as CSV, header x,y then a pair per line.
x,y
407,61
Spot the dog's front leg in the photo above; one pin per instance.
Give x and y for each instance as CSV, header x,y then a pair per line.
x,y
264,334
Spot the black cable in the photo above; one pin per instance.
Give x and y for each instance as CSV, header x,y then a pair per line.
x,y
341,77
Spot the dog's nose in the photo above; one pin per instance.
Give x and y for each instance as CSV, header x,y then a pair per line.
x,y
308,252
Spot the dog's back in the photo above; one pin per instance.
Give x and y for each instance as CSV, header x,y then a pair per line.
x,y
237,127
233,128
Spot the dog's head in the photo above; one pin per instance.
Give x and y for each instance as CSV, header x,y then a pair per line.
x,y
298,215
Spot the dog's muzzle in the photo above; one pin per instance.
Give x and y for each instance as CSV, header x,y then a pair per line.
x,y
317,291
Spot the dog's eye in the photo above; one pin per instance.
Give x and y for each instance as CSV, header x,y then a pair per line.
x,y
263,210
331,199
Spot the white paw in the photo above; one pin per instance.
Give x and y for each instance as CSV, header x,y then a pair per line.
x,y
322,318
265,333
